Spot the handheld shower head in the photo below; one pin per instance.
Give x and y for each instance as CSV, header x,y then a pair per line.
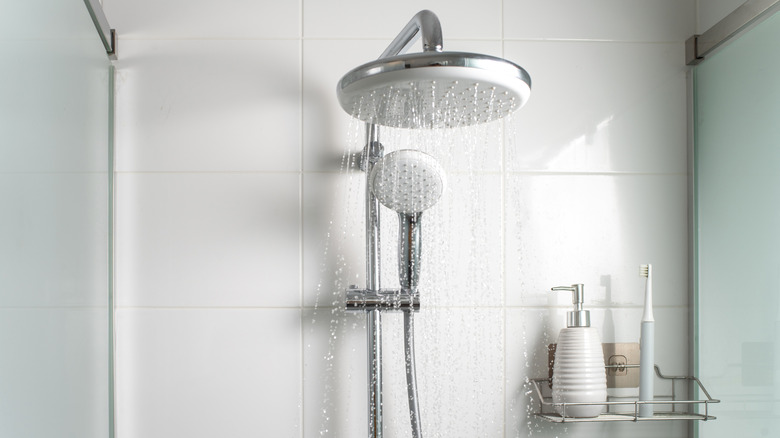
x,y
409,182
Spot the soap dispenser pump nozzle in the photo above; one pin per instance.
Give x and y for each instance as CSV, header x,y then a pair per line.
x,y
577,317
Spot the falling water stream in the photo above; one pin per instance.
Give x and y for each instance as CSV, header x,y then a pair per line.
x,y
460,329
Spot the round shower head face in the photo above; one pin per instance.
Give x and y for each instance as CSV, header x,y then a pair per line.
x,y
407,181
434,90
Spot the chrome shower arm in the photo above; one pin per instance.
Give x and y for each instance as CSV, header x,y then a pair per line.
x,y
424,23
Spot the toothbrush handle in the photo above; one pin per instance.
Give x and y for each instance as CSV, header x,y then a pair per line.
x,y
646,367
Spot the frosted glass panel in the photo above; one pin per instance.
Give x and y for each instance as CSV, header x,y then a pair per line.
x,y
54,222
737,98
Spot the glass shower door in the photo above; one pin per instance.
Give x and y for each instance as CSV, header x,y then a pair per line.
x,y
737,189
54,222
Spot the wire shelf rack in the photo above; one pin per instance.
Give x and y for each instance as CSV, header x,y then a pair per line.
x,y
680,409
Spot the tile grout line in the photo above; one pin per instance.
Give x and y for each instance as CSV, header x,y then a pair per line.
x,y
301,192
504,148
378,38
297,307
57,307
618,173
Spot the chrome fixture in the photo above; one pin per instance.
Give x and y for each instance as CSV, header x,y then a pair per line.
x,y
402,90
465,88
409,182
748,14
107,34
432,89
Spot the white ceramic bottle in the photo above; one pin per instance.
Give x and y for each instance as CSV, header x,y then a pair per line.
x,y
579,375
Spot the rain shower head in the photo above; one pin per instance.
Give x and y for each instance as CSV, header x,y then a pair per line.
x,y
434,90
407,181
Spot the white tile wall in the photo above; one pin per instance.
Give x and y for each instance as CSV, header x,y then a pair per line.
x,y
461,19
207,239
209,105
597,231
334,396
620,107
209,372
236,233
173,19
600,20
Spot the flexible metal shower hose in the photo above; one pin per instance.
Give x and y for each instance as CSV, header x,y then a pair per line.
x,y
411,379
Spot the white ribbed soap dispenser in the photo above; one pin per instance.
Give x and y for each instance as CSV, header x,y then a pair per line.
x,y
579,375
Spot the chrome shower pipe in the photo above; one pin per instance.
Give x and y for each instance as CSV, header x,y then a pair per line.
x,y
411,374
371,154
409,250
409,277
424,24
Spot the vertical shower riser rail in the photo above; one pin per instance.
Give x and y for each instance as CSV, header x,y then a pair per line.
x,y
423,25
371,154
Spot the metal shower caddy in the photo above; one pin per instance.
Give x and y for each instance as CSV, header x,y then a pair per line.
x,y
681,409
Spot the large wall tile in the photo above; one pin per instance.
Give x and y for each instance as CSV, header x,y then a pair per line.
x,y
202,19
596,230
207,240
460,370
600,107
213,105
328,131
610,20
334,381
462,251
208,372
355,19
333,236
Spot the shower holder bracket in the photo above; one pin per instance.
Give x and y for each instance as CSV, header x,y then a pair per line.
x,y
385,300
372,152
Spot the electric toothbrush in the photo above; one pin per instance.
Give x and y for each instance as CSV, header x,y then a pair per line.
x,y
647,346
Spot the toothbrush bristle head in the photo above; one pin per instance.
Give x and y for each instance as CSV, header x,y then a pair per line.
x,y
645,270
